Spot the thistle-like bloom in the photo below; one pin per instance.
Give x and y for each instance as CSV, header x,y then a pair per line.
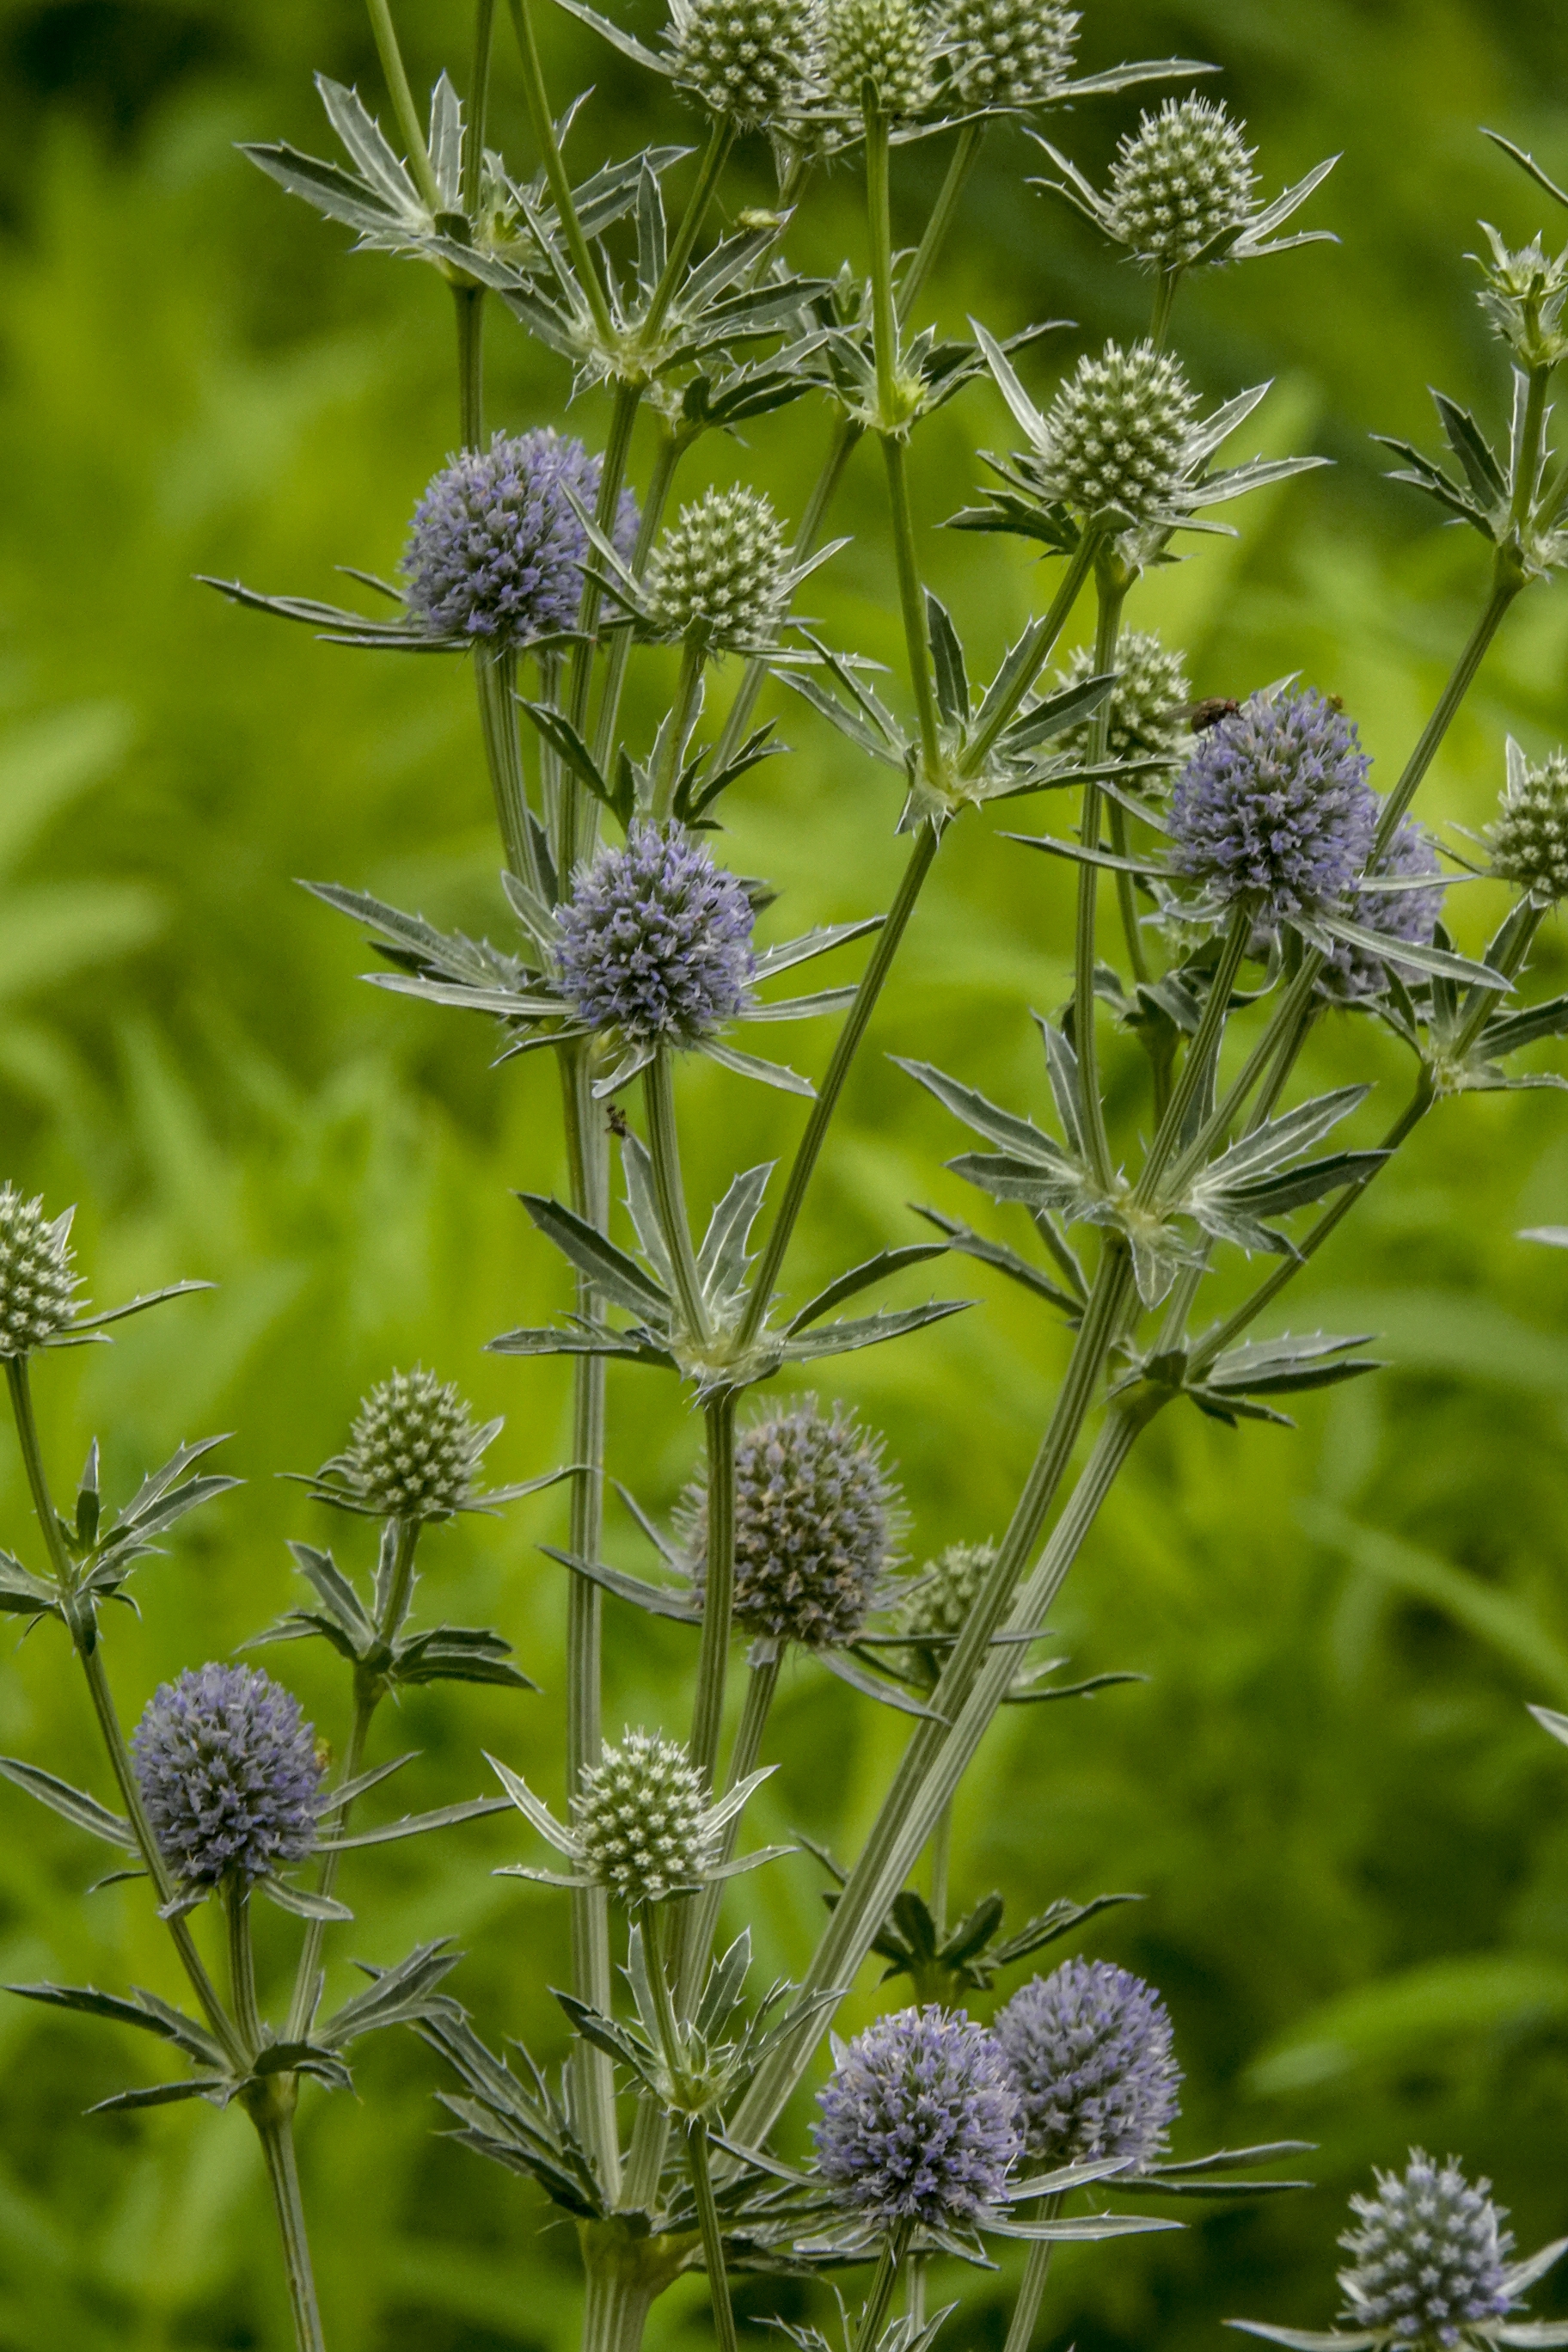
x,y
1274,807
890,43
37,1281
1430,2257
919,2121
1530,836
1184,179
1115,434
228,1773
721,570
497,547
1090,2051
656,942
751,62
414,1452
1412,915
814,1518
641,1825
1146,705
1009,53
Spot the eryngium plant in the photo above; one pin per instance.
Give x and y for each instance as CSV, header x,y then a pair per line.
x,y
1242,874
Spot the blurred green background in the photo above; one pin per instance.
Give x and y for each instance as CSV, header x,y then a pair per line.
x,y
1352,1840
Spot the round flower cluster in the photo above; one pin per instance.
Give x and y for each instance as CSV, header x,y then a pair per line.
x,y
719,571
751,61
641,1820
886,42
414,1452
1013,53
1412,915
1530,838
1116,434
919,2120
1090,2051
1182,178
228,1773
656,941
1274,807
1145,705
496,550
1429,2255
939,1600
37,1285
814,1526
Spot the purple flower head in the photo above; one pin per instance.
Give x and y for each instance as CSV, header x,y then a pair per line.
x,y
919,2120
1274,806
228,1774
656,941
496,550
1090,2051
1413,915
1429,2257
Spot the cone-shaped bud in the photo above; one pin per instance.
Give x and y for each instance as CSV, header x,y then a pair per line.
x,y
414,1452
641,1821
1529,837
751,61
1429,2253
919,2120
1116,434
38,1284
1090,2051
888,43
1182,178
228,1773
1015,52
719,571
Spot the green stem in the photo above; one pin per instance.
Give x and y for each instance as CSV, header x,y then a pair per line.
x,y
495,679
1111,594
1165,285
612,477
961,164
1528,471
18,1381
718,1586
879,964
541,123
895,456
1031,2293
469,304
915,2290
276,2137
669,1197
721,137
241,1960
403,104
1505,588
701,2179
693,661
479,106
761,1683
941,1870
1200,1054
884,313
666,458
1127,893
884,2278
1046,631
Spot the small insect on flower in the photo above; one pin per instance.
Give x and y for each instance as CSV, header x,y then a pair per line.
x,y
38,1278
919,2121
656,941
1090,2050
1274,807
888,43
1529,833
229,1775
497,546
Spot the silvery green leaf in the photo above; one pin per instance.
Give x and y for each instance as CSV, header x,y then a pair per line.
x,y
1054,712
1471,448
1018,1136
531,1808
643,1208
860,1278
219,2088
874,1686
870,1330
362,135
332,1800
610,1269
445,143
304,1903
674,1601
1414,953
1531,2335
1082,854
1006,1261
145,2009
1305,2339
84,1813
139,1306
801,1008
1507,1032
1526,163
1061,1917
636,1346
749,1065
1278,1142
23,1594
397,1996
1518,2277
331,189
568,746
323,1572
1089,2229
1272,1196
1271,1367
458,1654
947,662
1550,1720
1127,77
721,1260
415,1825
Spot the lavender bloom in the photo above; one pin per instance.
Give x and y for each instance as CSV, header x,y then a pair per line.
x,y
1429,2257
228,1774
1090,2051
1274,807
496,550
656,941
919,2120
1413,915
38,1284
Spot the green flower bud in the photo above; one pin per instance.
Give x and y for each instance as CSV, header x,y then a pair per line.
x,y
1182,178
1009,52
887,42
414,1452
640,1818
1530,838
751,61
721,570
1116,434
1146,704
37,1285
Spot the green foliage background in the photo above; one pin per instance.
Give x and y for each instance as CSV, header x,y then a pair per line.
x,y
1354,1843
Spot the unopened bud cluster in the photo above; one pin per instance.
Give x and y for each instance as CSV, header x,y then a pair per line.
x,y
37,1285
1522,294
640,1821
1116,434
414,1452
1146,708
1529,837
1181,179
887,43
1008,53
751,62
719,571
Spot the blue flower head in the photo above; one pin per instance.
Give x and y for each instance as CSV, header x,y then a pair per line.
x,y
1089,2052
656,941
228,1774
1430,2257
919,2120
496,550
1274,807
1412,915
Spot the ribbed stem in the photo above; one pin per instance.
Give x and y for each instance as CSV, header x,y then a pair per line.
x,y
495,679
1031,2293
884,2278
276,2137
1200,1054
1046,631
666,458
474,129
541,123
701,2179
1505,588
961,164
470,305
669,1194
1113,595
896,457
693,661
408,113
702,1913
721,137
717,1587
242,1960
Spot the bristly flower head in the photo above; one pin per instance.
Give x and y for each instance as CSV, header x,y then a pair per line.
x,y
888,43
1522,294
1116,434
1274,807
1146,705
497,547
1430,2258
938,1602
641,1821
721,570
1090,2050
919,2120
414,1452
228,1773
1009,53
1530,836
1183,179
750,62
656,941
1409,915
37,1285
815,1519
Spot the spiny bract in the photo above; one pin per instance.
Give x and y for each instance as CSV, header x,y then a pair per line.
x,y
1429,2255
656,941
1012,53
1181,179
1146,706
752,61
414,1452
1090,2051
1409,915
888,43
37,1285
1274,807
719,571
1529,837
1116,434
229,1772
641,1820
919,2120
